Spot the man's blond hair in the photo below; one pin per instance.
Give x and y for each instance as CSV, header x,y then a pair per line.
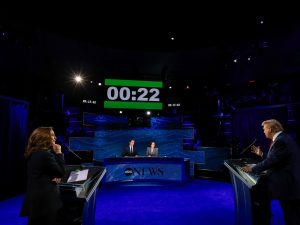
x,y
275,125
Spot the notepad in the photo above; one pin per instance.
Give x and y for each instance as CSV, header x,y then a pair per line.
x,y
78,175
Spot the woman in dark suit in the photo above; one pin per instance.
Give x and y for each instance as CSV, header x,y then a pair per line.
x,y
282,164
45,167
152,150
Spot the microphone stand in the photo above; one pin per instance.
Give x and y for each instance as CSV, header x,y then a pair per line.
x,y
70,150
245,149
73,152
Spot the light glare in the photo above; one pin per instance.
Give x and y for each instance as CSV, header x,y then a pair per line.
x,y
78,79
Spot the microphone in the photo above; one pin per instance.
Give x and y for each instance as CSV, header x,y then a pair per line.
x,y
68,148
245,149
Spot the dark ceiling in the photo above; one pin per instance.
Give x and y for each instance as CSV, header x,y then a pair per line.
x,y
145,29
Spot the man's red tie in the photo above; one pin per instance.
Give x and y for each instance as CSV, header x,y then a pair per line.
x,y
271,144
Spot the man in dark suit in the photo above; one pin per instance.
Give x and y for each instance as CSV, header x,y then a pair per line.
x,y
282,163
130,150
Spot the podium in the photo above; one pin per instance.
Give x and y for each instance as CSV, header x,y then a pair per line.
x,y
79,197
244,185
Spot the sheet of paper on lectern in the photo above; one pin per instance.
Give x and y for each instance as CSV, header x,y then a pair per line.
x,y
78,175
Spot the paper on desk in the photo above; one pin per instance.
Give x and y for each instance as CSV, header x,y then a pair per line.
x,y
78,175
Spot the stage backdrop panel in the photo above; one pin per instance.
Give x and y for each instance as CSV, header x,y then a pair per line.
x,y
110,143
13,135
104,121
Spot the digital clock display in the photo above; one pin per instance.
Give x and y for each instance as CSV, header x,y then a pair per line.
x,y
133,94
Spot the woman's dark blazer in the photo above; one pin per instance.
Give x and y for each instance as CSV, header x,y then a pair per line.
x,y
42,196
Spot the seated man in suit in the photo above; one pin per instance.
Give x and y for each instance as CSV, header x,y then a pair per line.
x,y
130,150
152,150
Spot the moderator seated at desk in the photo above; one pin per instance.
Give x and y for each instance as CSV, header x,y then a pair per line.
x,y
144,168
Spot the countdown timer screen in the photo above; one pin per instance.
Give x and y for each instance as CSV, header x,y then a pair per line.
x,y
133,94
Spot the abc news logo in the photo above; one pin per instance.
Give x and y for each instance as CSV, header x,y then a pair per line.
x,y
144,171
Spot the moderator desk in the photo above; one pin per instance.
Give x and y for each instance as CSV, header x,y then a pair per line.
x,y
146,169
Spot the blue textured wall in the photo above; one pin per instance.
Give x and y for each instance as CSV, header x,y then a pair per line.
x,y
107,143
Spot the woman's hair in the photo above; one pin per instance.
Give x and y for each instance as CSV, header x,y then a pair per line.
x,y
150,143
275,125
39,140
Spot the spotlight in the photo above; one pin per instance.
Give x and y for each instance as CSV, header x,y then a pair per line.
x,y
78,79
